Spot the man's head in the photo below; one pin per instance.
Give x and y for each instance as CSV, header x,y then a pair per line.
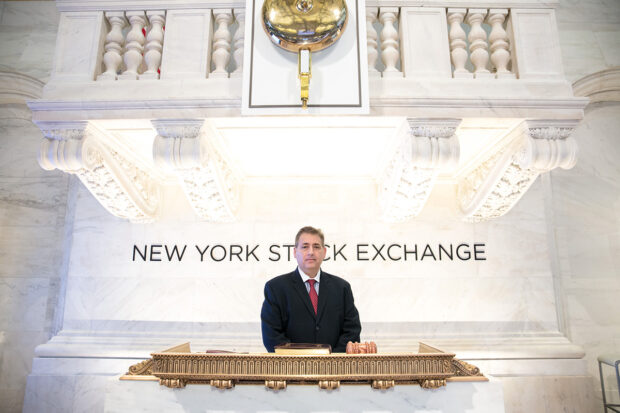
x,y
310,250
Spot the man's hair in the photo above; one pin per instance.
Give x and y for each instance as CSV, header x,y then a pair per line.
x,y
310,230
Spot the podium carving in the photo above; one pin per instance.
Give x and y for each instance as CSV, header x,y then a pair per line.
x,y
430,368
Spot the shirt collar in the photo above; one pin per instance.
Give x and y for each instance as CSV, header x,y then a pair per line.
x,y
305,277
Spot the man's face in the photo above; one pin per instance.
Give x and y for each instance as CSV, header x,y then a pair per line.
x,y
309,253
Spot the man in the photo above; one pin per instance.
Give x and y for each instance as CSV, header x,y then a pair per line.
x,y
309,305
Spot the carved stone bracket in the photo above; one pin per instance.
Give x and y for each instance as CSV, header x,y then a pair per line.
x,y
123,188
494,187
428,147
182,146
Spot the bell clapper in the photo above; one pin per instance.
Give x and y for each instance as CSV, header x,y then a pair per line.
x,y
304,65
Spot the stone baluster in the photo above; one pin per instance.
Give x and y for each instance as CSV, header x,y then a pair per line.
x,y
478,52
390,48
154,43
498,39
238,40
458,45
114,42
134,45
371,41
221,43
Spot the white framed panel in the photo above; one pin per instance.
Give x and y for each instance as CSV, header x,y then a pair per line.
x,y
187,44
424,42
339,83
536,44
79,46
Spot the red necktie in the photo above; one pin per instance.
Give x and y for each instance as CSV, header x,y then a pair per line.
x,y
314,298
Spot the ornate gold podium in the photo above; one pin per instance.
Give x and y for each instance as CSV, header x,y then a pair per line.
x,y
178,366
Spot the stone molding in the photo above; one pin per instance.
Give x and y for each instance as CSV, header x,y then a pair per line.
x,y
123,188
137,343
492,188
603,86
183,147
115,5
428,146
16,89
19,88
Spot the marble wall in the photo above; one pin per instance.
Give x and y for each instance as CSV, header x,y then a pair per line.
x,y
511,290
584,201
589,36
32,232
586,221
32,204
28,37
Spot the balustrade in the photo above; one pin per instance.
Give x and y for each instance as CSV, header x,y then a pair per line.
x,y
134,45
494,58
402,42
479,42
437,66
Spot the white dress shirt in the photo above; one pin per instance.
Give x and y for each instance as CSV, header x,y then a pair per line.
x,y
305,278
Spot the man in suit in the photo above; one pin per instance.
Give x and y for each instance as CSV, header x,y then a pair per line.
x,y
309,305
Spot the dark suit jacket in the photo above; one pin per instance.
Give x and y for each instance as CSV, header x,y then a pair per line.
x,y
287,314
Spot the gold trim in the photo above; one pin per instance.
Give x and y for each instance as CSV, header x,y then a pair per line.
x,y
329,384
173,383
138,378
432,384
382,384
222,384
142,368
275,384
462,368
430,369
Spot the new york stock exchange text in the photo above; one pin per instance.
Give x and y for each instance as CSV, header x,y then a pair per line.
x,y
160,252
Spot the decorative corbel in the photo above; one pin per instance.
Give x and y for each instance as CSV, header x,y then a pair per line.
x,y
123,188
535,146
428,147
181,146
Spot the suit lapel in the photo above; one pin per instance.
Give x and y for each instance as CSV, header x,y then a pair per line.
x,y
300,289
323,294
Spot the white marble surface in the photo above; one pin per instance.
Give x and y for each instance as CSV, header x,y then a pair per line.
x,y
513,285
28,36
586,202
32,215
455,397
589,36
565,394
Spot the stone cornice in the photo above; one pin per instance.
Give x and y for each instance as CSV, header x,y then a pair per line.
x,y
18,88
115,5
603,86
